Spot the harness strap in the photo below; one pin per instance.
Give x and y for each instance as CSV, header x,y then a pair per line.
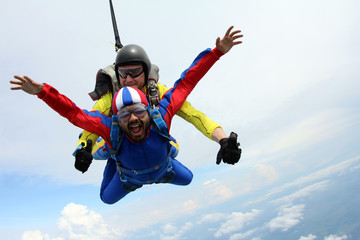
x,y
128,186
159,123
130,183
143,171
115,136
167,177
161,179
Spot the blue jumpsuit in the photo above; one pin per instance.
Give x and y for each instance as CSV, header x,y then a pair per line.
x,y
153,152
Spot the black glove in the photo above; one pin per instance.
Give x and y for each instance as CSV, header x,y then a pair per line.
x,y
229,150
83,157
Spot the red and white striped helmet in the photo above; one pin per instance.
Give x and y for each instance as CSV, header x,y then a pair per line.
x,y
128,96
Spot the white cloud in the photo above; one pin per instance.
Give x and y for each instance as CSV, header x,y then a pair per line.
x,y
308,237
212,217
245,235
32,235
37,235
302,192
169,229
216,191
267,171
287,218
209,181
78,223
321,174
190,205
170,232
338,168
335,237
236,221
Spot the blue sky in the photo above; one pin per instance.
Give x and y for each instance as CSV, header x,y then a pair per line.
x,y
290,91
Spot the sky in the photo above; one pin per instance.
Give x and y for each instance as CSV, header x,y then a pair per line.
x,y
290,92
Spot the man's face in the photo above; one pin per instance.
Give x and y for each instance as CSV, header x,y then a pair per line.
x,y
134,121
132,76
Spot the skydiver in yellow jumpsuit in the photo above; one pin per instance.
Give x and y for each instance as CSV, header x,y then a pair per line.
x,y
108,82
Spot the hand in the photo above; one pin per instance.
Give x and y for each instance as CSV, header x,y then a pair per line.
x,y
228,41
229,151
27,85
83,157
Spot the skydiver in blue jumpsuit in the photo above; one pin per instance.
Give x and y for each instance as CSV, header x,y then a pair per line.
x,y
144,155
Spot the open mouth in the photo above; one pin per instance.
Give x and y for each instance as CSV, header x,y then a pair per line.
x,y
135,128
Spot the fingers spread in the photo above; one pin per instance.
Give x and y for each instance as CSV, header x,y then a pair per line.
x,y
235,32
229,30
19,78
28,79
15,88
16,82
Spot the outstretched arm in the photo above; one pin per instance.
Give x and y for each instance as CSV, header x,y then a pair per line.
x,y
91,121
27,85
229,151
191,76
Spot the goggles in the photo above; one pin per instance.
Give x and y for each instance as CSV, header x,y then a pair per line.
x,y
134,72
138,110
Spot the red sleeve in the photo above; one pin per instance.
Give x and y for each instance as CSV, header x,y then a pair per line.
x,y
94,122
189,78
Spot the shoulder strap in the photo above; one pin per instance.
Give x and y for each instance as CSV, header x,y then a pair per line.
x,y
115,135
159,123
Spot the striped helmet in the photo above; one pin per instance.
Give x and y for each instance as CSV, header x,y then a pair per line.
x,y
128,96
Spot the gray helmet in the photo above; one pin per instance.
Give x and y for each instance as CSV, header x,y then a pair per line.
x,y
132,54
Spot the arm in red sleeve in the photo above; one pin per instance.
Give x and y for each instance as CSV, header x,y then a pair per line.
x,y
94,122
188,80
